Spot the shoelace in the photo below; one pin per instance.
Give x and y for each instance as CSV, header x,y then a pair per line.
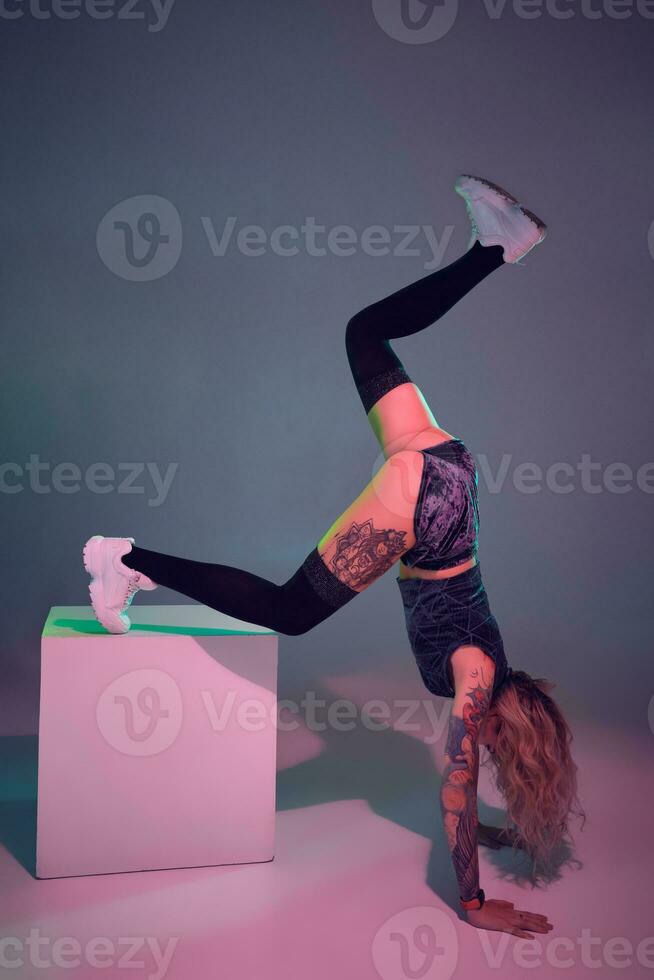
x,y
132,589
475,229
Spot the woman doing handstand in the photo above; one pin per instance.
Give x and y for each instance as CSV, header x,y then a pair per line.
x,y
419,510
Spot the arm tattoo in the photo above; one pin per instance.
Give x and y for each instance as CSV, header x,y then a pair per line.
x,y
363,553
459,787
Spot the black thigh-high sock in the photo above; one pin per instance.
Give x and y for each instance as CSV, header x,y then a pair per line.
x,y
314,592
376,368
311,595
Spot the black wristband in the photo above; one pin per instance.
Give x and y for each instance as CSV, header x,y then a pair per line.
x,y
479,896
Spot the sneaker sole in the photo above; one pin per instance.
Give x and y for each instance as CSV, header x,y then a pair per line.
x,y
106,617
542,227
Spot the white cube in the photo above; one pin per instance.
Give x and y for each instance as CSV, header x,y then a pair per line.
x,y
157,748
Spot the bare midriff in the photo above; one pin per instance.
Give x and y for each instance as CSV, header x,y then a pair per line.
x,y
406,572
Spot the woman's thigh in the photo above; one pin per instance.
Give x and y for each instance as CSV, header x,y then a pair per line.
x,y
377,528
402,419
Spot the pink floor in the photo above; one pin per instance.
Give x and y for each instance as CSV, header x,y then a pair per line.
x,y
361,885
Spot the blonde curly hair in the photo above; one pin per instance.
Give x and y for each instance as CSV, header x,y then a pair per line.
x,y
534,768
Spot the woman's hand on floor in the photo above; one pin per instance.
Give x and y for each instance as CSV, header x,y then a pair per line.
x,y
495,837
501,916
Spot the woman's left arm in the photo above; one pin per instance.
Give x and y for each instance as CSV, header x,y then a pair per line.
x,y
473,673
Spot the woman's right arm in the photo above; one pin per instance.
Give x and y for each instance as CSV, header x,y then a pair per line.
x,y
473,673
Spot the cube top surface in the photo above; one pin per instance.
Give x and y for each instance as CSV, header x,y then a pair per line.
x,y
186,620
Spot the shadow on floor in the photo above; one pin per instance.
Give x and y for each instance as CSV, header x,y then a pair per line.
x,y
396,775
18,764
393,772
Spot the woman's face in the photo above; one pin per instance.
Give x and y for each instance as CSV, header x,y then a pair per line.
x,y
490,726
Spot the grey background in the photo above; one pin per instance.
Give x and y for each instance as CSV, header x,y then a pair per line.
x,y
234,367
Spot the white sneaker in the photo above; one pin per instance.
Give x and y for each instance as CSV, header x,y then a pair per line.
x,y
113,585
498,218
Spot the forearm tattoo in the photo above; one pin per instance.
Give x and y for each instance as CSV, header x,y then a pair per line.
x,y
459,786
363,553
